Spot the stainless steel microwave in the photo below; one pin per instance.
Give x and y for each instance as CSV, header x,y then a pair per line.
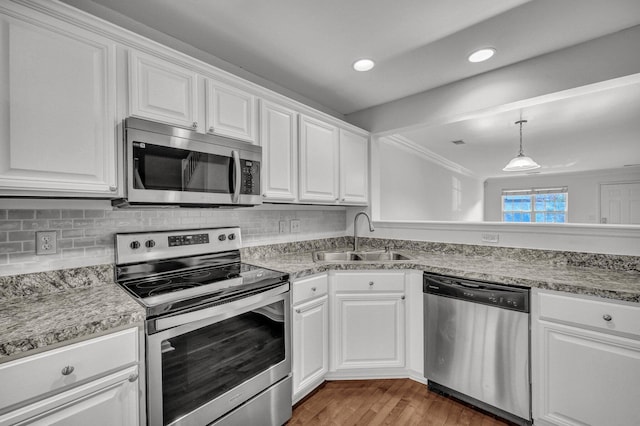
x,y
166,165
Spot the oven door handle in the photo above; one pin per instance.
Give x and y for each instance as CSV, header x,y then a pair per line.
x,y
237,177
192,320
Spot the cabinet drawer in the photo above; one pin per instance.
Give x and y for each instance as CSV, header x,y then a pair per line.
x,y
593,313
28,378
368,281
308,288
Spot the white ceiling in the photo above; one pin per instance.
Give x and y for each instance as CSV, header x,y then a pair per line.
x,y
309,46
598,129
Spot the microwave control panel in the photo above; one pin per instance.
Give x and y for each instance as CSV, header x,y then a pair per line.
x,y
250,182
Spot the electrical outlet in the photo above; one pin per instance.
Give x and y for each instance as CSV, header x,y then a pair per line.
x,y
490,238
46,242
295,225
284,227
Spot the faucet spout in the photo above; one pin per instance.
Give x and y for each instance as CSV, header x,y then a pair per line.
x,y
356,245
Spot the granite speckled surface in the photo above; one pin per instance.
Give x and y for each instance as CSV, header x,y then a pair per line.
x,y
619,278
49,308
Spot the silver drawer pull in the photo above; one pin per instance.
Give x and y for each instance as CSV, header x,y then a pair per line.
x,y
607,317
133,377
313,289
402,297
298,311
370,282
67,370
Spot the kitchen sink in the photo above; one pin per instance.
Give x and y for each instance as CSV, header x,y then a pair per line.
x,y
358,256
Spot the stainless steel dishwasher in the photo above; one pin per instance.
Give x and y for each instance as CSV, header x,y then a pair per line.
x,y
477,344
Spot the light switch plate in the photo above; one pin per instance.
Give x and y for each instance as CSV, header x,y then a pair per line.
x,y
284,227
46,242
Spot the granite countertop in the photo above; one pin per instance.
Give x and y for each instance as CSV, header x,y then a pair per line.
x,y
44,310
607,283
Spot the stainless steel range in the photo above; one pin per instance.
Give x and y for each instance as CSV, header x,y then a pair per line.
x,y
217,330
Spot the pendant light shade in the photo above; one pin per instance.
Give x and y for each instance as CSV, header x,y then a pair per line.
x,y
521,162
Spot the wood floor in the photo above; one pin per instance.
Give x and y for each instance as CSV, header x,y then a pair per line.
x,y
384,402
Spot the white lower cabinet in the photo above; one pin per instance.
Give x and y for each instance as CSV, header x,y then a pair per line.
x,y
310,334
368,321
586,361
92,382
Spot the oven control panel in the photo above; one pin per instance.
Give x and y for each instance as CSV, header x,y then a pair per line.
x,y
134,247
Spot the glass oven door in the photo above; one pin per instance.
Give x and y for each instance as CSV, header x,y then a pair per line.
x,y
201,370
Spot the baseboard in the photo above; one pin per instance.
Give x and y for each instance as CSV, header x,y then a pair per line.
x,y
378,373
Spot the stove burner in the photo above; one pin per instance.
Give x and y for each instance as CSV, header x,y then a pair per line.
x,y
169,288
154,283
198,275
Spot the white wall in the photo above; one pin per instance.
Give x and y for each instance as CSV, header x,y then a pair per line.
x,y
409,186
584,190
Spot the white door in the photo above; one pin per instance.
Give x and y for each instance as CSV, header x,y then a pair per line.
x,y
587,378
279,140
231,112
310,344
318,161
620,203
369,330
162,91
354,168
111,400
57,114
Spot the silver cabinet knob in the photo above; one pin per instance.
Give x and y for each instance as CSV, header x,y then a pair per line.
x,y
211,129
195,125
313,289
112,188
607,317
133,377
67,370
337,199
298,310
402,297
371,283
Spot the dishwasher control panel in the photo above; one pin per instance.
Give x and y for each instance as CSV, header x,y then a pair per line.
x,y
487,293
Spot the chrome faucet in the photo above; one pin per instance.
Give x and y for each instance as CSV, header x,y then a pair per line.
x,y
356,246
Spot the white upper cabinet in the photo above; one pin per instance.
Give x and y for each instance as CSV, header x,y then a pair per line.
x,y
57,115
162,91
279,140
319,156
231,112
354,168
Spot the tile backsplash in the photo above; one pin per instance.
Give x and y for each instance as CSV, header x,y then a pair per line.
x,y
86,236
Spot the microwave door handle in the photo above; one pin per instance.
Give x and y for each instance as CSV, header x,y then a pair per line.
x,y
237,176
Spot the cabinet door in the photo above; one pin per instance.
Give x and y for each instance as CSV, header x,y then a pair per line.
x,y
279,140
369,330
586,377
162,91
318,161
310,345
231,112
111,400
354,168
57,115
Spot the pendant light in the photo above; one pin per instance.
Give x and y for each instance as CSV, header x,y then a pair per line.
x,y
521,162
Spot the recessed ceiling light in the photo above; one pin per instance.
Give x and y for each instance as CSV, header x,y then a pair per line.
x,y
482,54
363,65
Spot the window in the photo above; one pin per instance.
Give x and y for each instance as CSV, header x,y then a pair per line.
x,y
546,205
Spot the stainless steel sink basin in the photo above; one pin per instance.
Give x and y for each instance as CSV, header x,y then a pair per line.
x,y
358,256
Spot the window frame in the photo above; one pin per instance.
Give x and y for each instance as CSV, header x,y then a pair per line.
x,y
531,193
